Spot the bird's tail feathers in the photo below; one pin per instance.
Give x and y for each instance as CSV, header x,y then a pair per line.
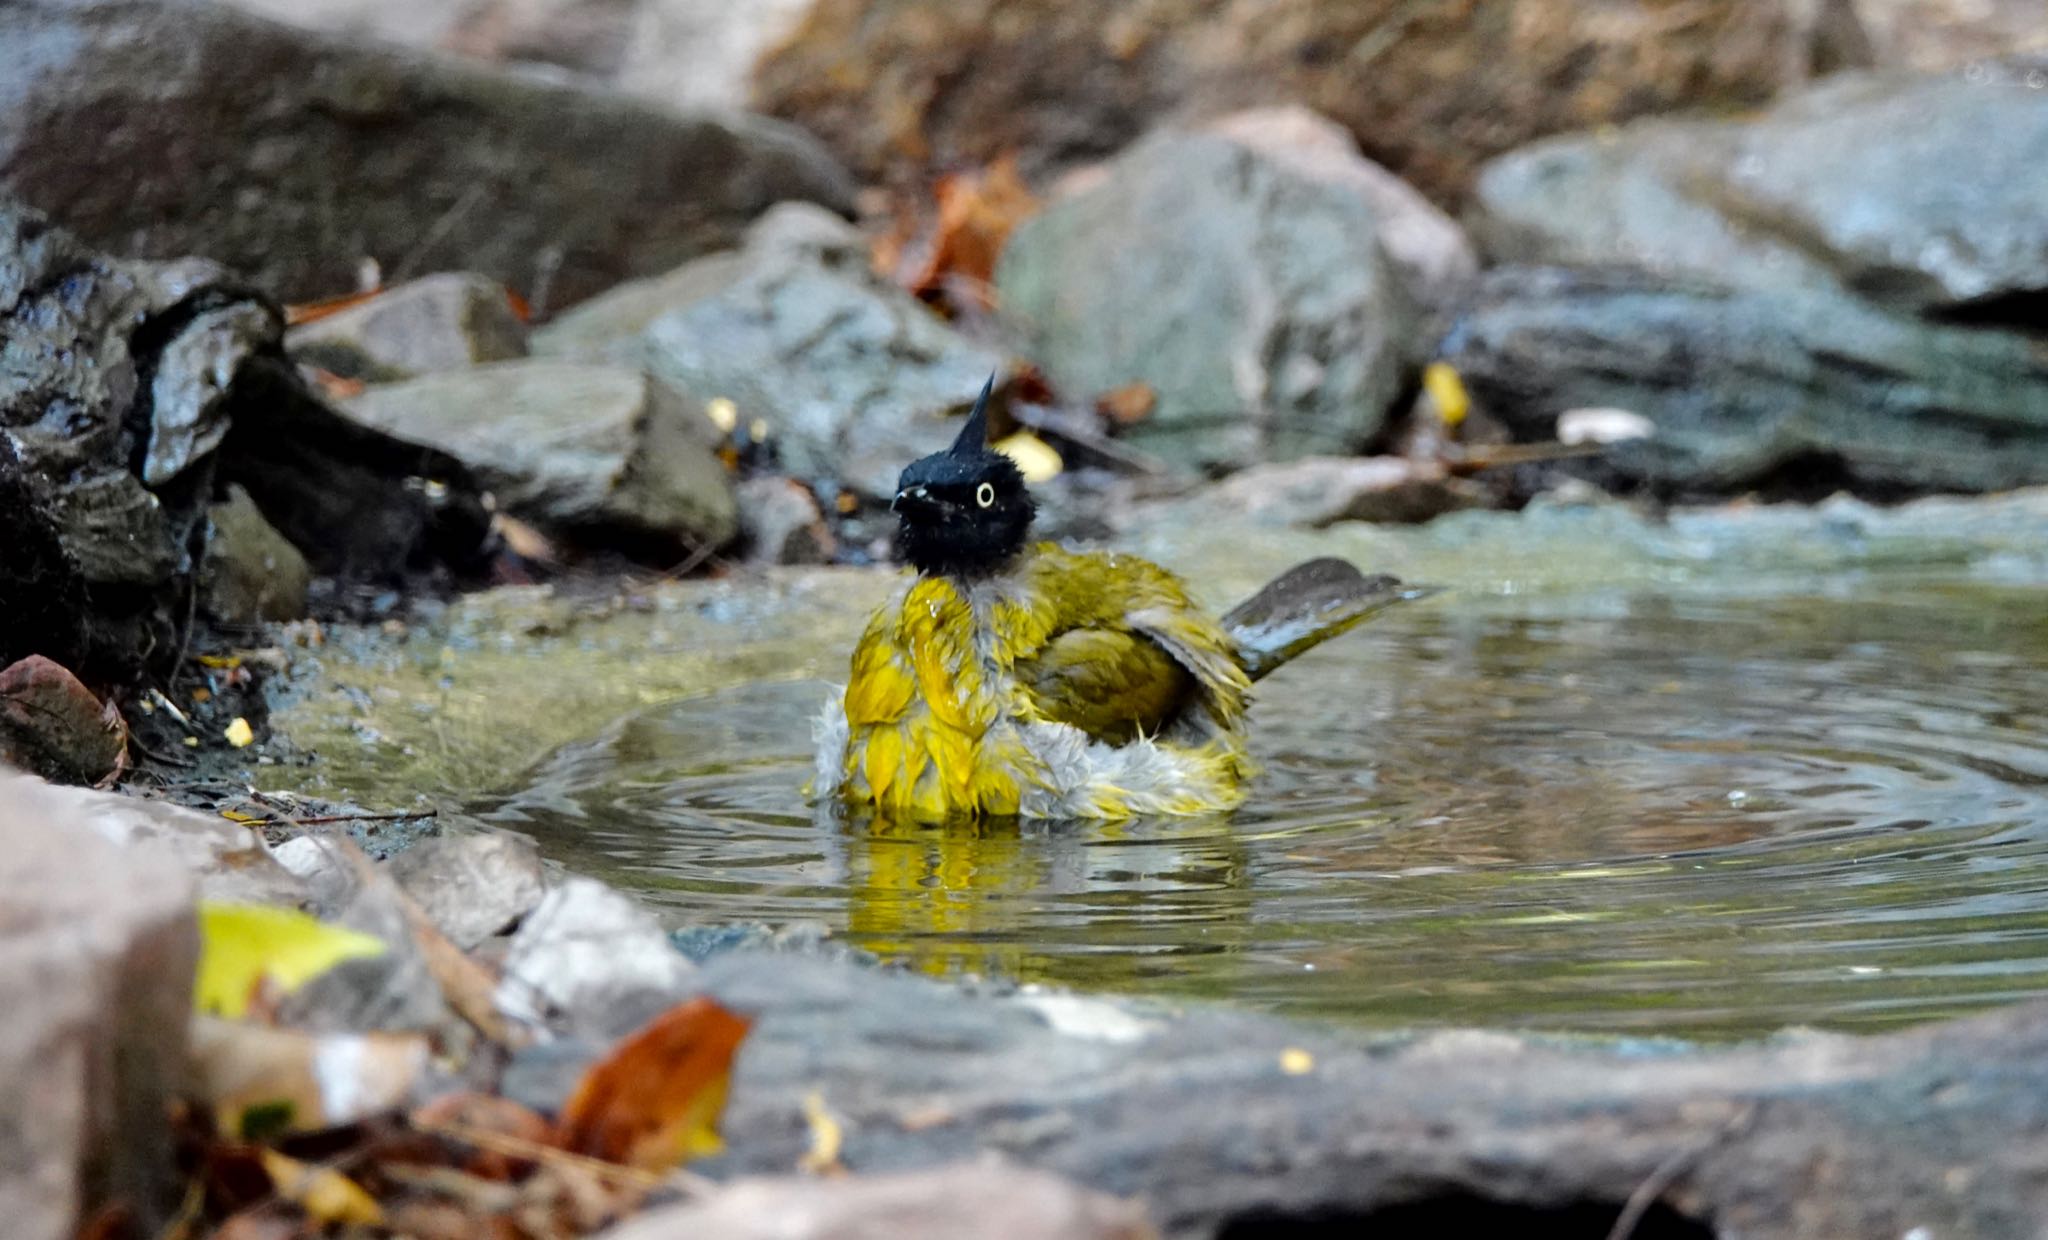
x,y
1306,606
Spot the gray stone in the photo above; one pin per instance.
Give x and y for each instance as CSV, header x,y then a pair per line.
x,y
98,944
396,991
474,885
1317,491
293,156
250,572
441,322
572,448
852,375
1925,193
1267,320
1227,1121
1428,247
780,523
988,1198
592,962
227,860
1747,388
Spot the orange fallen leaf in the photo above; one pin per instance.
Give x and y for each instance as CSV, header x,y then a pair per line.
x,y
654,1101
977,211
1128,405
314,311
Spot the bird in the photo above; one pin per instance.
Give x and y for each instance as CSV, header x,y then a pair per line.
x,y
1007,678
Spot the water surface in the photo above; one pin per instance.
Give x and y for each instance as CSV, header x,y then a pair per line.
x,y
1624,809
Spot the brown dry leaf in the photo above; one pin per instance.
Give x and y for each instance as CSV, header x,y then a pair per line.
x,y
334,386
654,1101
1128,405
314,311
326,1195
977,213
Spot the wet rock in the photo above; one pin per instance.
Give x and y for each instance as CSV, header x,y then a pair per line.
x,y
251,573
442,322
1226,1120
1268,321
988,1198
1920,192
472,886
1320,490
900,86
577,450
42,596
1806,391
851,375
54,726
130,390
293,156
593,961
97,951
780,523
1427,247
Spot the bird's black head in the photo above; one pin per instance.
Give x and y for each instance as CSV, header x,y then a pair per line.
x,y
963,512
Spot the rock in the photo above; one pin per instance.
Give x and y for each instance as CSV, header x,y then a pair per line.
x,y
851,374
1231,1123
1810,391
577,450
988,1198
1427,247
593,961
54,726
442,322
1951,34
1267,321
396,991
900,87
251,573
227,860
292,156
780,523
683,53
1921,192
472,886
42,596
1317,491
129,390
97,951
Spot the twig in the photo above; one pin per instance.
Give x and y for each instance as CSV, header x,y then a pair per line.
x,y
534,1151
319,820
185,643
1662,1176
154,756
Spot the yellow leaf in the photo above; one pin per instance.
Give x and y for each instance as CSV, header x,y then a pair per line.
x,y
827,1138
243,944
1032,455
1441,381
236,815
326,1195
1295,1061
239,733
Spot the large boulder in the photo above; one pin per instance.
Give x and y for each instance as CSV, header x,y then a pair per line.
x,y
1929,193
852,376
293,156
98,945
590,451
130,392
1429,89
1757,388
1267,320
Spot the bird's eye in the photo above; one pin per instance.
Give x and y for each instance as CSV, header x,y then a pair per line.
x,y
985,494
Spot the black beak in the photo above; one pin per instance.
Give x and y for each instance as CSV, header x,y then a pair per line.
x,y
915,502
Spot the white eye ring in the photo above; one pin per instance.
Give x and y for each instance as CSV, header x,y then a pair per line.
x,y
985,494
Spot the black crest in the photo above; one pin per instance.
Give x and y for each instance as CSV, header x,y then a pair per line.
x,y
963,512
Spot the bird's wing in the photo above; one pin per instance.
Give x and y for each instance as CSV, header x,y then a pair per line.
x,y
1128,651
